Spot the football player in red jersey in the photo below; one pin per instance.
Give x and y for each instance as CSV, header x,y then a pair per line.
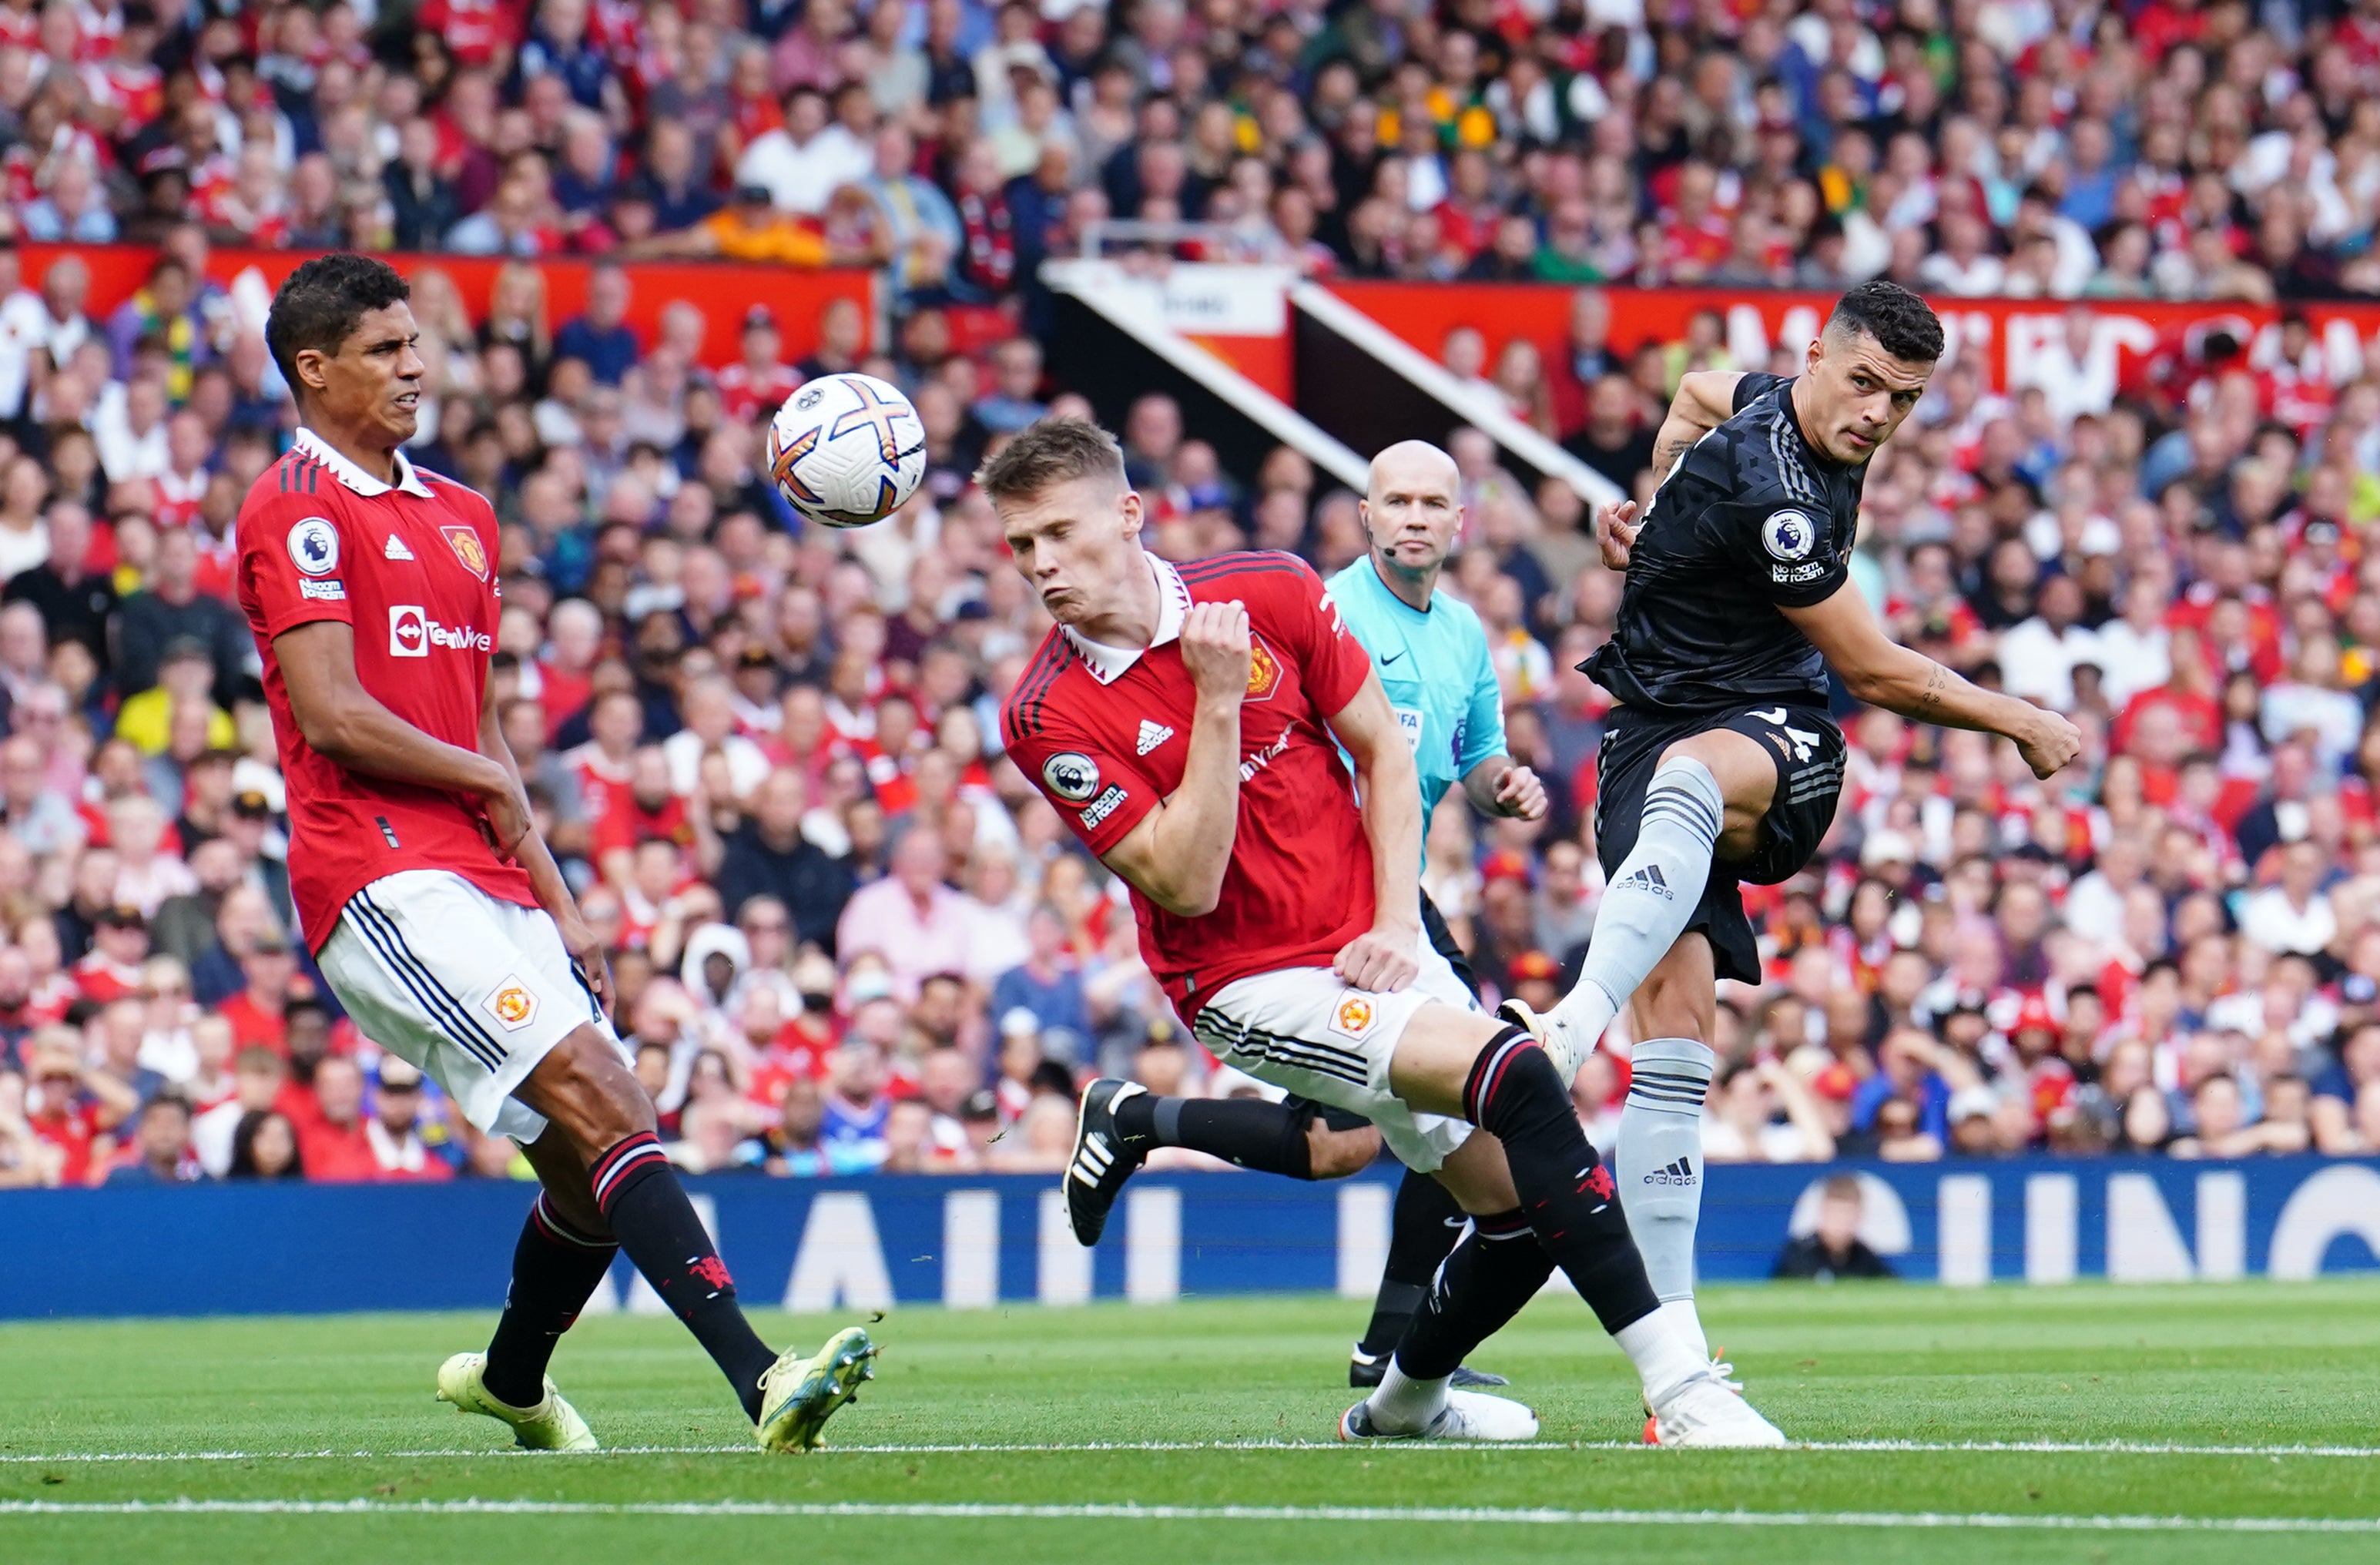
x,y
433,907
1183,721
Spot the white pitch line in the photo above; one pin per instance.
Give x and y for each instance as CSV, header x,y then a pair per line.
x,y
1985,1521
2020,1448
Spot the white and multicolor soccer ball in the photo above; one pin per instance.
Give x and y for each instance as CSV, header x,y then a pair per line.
x,y
846,449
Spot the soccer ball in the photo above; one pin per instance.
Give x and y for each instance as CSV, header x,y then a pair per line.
x,y
846,449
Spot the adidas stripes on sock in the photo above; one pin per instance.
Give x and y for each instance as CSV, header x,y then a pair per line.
x,y
1424,1225
1268,1137
1659,1160
1652,895
1568,1197
555,1270
641,1199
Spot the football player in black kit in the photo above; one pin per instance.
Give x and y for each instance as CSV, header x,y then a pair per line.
x,y
1719,765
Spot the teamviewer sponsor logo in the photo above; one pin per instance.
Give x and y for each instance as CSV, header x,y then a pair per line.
x,y
411,634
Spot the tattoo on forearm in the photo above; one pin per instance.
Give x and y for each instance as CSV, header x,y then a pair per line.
x,y
1665,453
1938,685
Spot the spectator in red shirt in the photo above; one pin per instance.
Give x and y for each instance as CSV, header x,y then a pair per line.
x,y
334,1147
760,380
119,945
63,1109
259,1014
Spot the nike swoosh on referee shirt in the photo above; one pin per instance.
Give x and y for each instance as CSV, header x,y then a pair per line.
x,y
1386,662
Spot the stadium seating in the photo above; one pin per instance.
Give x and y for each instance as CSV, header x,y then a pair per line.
x,y
2141,491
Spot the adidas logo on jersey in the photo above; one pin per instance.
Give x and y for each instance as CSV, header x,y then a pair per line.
x,y
1649,878
1151,736
397,548
1680,1173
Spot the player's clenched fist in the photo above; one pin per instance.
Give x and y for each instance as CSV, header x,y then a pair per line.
x,y
1380,959
2049,744
1615,532
1215,650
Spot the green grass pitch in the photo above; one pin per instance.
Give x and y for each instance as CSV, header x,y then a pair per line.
x,y
2187,1424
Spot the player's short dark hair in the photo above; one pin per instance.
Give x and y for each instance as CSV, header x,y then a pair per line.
x,y
319,305
1051,451
1902,324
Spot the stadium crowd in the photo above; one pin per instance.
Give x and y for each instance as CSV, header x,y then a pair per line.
x,y
848,935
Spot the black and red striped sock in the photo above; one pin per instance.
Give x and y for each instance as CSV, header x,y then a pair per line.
x,y
1515,1094
555,1270
641,1197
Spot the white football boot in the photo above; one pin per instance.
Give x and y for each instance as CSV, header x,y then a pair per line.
x,y
1705,1413
1467,1415
1563,1044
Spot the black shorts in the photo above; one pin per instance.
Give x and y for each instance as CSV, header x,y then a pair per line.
x,y
1808,749
1441,940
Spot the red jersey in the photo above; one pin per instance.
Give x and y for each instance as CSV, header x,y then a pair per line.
x,y
411,566
744,390
1104,731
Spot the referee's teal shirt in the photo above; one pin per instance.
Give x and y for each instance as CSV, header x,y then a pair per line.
x,y
1435,667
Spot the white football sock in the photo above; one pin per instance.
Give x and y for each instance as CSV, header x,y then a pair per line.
x,y
1659,1158
1679,1313
1401,1404
1664,1359
1652,895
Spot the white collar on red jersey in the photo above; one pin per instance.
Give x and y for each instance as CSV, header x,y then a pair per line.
x,y
355,477
1108,664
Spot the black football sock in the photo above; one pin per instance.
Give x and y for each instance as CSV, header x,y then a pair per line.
x,y
1499,1266
641,1198
1267,1137
1422,1229
1515,1094
555,1270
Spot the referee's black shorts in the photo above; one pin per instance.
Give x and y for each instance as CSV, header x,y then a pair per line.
x,y
1808,749
1441,940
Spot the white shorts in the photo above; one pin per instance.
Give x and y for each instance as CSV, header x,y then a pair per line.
x,y
1305,1030
471,989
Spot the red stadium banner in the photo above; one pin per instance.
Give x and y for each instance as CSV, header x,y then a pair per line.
x,y
722,291
2001,336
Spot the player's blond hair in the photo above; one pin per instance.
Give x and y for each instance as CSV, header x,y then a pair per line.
x,y
1049,452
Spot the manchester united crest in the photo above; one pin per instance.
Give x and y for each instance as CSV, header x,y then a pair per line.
x,y
1264,669
467,549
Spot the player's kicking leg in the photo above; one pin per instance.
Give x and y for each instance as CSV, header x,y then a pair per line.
x,y
1534,1169
1708,799
605,1128
1118,1123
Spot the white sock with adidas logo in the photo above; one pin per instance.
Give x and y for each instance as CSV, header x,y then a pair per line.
x,y
1658,1159
1652,895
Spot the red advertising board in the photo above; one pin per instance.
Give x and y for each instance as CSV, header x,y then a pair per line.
x,y
722,291
2000,335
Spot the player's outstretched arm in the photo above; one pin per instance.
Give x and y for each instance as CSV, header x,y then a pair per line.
x,y
1876,671
1389,792
1705,399
1177,854
341,722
